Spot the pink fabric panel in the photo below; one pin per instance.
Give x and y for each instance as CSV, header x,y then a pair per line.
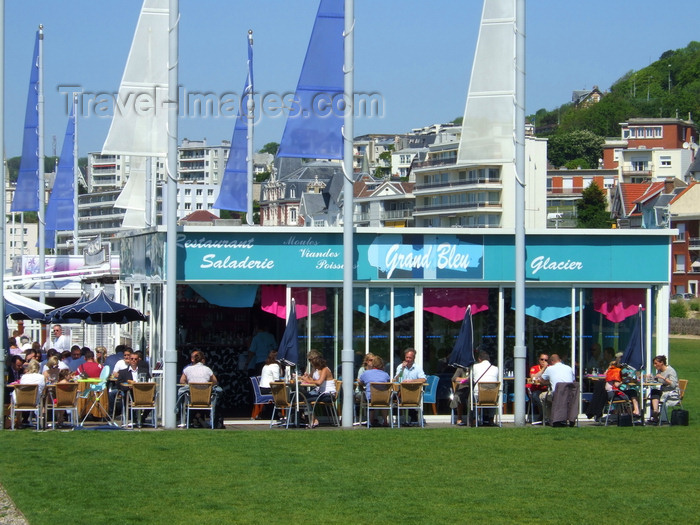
x,y
272,299
451,303
617,304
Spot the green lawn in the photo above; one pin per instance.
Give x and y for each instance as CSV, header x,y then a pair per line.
x,y
432,475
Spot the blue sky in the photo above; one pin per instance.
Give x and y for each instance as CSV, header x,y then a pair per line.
x,y
416,54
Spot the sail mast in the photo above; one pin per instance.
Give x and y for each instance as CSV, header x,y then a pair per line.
x,y
76,172
42,191
250,114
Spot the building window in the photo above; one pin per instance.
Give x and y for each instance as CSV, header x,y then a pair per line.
x,y
680,262
199,193
188,192
681,232
665,161
293,214
188,206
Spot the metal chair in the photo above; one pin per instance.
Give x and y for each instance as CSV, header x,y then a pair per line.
x,y
260,399
328,402
94,391
487,397
430,392
410,398
381,398
143,397
672,401
280,400
25,399
617,405
200,399
66,399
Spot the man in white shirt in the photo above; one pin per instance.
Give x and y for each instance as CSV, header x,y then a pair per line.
x,y
557,372
58,339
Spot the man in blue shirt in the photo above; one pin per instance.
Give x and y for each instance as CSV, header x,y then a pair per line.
x,y
408,370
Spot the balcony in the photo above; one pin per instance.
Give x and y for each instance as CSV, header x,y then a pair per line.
x,y
457,183
432,163
694,243
460,205
396,214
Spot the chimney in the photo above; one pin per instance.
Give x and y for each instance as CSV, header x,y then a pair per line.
x,y
669,185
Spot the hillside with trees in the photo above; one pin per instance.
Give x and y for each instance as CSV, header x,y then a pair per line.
x,y
669,87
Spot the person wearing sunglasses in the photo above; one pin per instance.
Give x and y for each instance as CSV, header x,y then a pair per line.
x,y
58,339
535,388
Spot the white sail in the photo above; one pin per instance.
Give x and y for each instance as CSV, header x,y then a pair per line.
x,y
133,197
489,116
139,124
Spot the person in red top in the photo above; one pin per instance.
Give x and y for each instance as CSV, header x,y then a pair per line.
x,y
90,368
535,388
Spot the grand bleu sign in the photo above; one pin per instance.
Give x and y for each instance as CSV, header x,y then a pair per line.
x,y
264,256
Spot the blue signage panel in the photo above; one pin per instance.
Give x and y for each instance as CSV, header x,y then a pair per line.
x,y
264,256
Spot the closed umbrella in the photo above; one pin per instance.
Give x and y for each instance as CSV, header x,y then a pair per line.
x,y
462,355
288,351
634,354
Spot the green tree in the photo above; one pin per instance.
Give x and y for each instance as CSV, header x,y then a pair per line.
x,y
270,147
591,209
578,144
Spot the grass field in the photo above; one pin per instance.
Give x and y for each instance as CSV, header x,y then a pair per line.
x,y
432,475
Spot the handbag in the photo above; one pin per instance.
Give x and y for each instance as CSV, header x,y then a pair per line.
x,y
679,417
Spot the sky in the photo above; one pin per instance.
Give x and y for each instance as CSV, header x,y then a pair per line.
x,y
414,55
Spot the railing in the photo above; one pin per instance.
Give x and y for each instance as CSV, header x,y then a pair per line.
x,y
397,214
457,183
463,205
694,243
436,162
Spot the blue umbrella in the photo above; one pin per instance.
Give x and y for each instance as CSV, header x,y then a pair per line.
x,y
24,313
101,309
462,355
288,352
58,315
634,354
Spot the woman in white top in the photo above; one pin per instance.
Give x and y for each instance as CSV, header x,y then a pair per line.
x,y
322,377
32,377
270,372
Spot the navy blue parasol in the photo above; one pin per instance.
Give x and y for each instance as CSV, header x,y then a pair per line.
x,y
462,355
288,352
634,354
101,309
24,313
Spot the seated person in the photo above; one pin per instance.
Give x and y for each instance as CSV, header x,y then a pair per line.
x,y
613,382
485,372
90,368
198,372
375,374
32,376
629,387
270,372
366,365
557,372
322,377
460,380
668,378
51,369
536,390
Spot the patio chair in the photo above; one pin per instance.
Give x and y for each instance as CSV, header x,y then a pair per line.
x,y
94,392
66,399
25,399
328,402
430,392
381,398
200,399
617,406
672,401
487,397
143,397
410,398
260,399
280,401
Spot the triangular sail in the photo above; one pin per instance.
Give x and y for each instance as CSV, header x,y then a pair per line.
x,y
26,196
133,195
489,117
139,124
233,194
59,210
315,122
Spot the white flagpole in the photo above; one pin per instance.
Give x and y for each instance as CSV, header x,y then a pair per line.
x,y
75,174
3,344
348,355
250,110
170,353
42,191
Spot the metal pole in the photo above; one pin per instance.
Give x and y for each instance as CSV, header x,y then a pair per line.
x,y
250,110
75,174
348,355
3,344
42,189
170,318
519,351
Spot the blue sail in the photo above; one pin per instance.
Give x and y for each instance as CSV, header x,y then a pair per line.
x,y
27,190
233,194
315,121
59,210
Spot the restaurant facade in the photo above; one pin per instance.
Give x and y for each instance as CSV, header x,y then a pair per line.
x,y
411,289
